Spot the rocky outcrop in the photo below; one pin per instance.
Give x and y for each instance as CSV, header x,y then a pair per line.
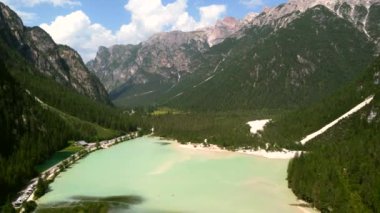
x,y
61,63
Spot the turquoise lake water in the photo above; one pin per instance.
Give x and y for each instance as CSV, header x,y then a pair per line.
x,y
170,178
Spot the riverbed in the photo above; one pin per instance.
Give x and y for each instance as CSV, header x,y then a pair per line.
x,y
169,178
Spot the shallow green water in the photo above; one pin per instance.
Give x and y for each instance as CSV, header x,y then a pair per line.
x,y
173,179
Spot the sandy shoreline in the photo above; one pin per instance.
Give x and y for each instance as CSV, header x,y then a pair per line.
x,y
256,127
284,154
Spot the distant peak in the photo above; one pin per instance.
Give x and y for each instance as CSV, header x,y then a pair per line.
x,y
269,15
229,20
249,17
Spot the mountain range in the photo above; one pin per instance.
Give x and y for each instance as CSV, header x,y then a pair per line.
x,y
304,50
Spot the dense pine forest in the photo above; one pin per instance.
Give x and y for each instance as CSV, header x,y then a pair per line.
x,y
293,125
339,172
30,135
227,130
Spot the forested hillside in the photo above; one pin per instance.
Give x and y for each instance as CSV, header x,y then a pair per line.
x,y
292,126
298,65
227,130
339,172
29,134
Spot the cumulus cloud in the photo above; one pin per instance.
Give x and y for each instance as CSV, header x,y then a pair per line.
x,y
252,3
77,31
210,14
147,17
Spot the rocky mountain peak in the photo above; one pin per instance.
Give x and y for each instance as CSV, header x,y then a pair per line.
x,y
249,18
228,22
175,38
222,29
356,11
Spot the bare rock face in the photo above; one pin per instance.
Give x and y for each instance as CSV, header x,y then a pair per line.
x,y
79,77
223,29
61,63
171,51
165,55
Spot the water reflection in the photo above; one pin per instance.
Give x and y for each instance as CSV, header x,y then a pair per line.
x,y
91,204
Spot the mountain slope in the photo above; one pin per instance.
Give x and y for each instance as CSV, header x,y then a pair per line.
x,y
29,134
167,56
339,172
156,65
163,57
285,132
310,58
60,63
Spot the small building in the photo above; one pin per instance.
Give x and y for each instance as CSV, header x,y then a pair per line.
x,y
81,143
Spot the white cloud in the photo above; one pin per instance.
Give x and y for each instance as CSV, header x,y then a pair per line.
x,y
252,3
151,16
77,31
210,14
56,3
147,17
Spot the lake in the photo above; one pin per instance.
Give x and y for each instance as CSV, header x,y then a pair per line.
x,y
170,178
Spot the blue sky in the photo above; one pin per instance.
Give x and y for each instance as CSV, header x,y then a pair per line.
x,y
87,24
